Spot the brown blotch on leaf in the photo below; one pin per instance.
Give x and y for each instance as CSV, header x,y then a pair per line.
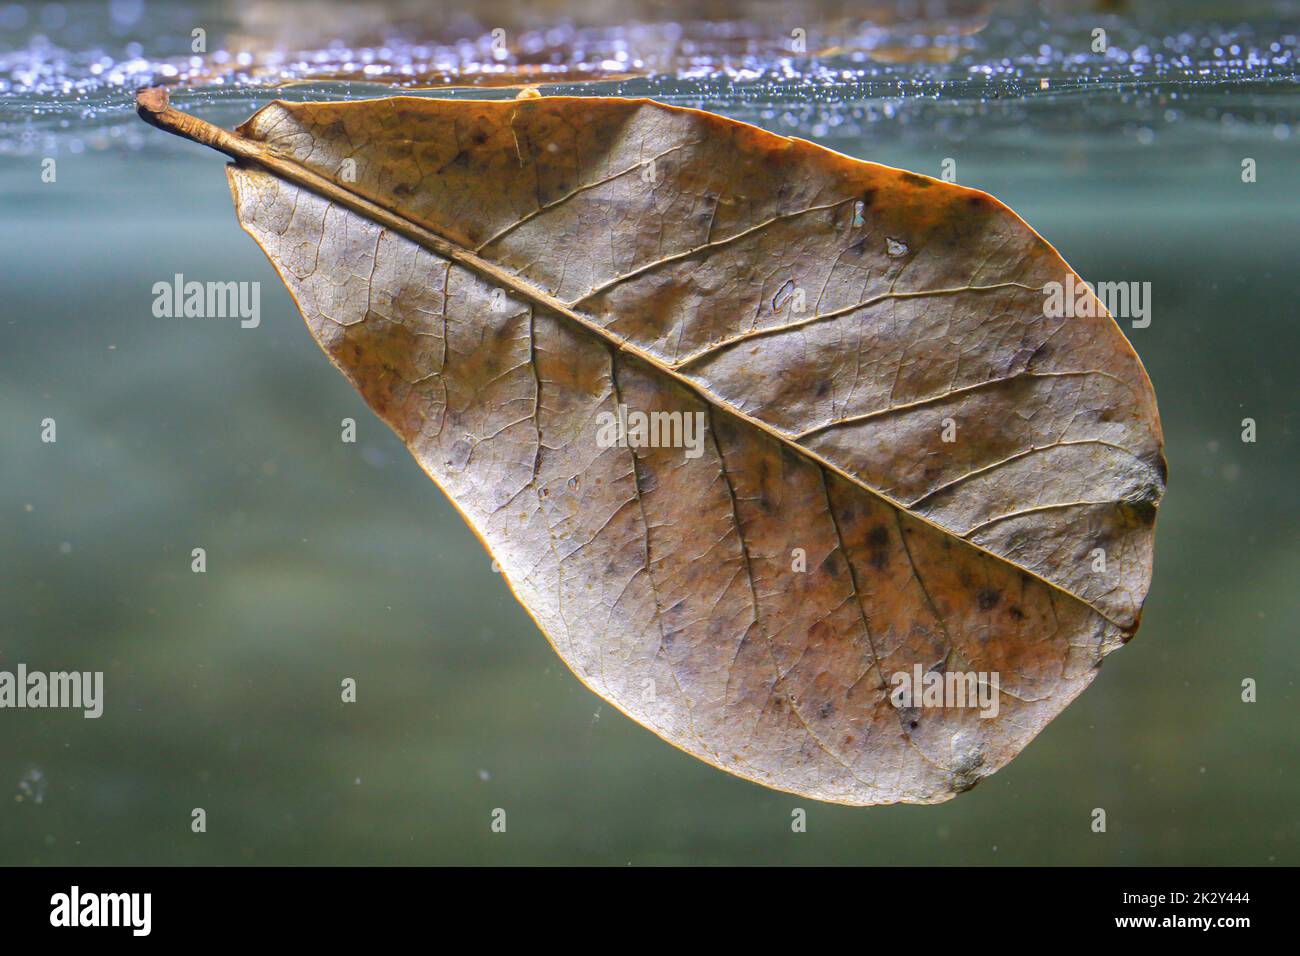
x,y
878,542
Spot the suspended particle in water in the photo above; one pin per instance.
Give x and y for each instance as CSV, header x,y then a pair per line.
x,y
31,786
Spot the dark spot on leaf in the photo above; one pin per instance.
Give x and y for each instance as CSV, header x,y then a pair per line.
x,y
988,598
878,540
920,182
460,454
908,718
646,481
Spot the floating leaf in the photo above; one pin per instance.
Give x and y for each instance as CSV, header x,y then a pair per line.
x,y
904,464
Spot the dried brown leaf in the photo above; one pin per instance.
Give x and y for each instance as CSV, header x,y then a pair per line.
x,y
496,275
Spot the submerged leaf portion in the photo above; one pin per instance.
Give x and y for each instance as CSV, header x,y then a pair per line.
x,y
903,462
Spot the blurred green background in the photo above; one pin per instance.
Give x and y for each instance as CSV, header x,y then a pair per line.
x,y
328,560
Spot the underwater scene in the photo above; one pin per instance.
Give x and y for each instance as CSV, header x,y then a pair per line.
x,y
297,649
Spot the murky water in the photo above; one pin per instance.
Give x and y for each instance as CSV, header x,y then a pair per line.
x,y
328,560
